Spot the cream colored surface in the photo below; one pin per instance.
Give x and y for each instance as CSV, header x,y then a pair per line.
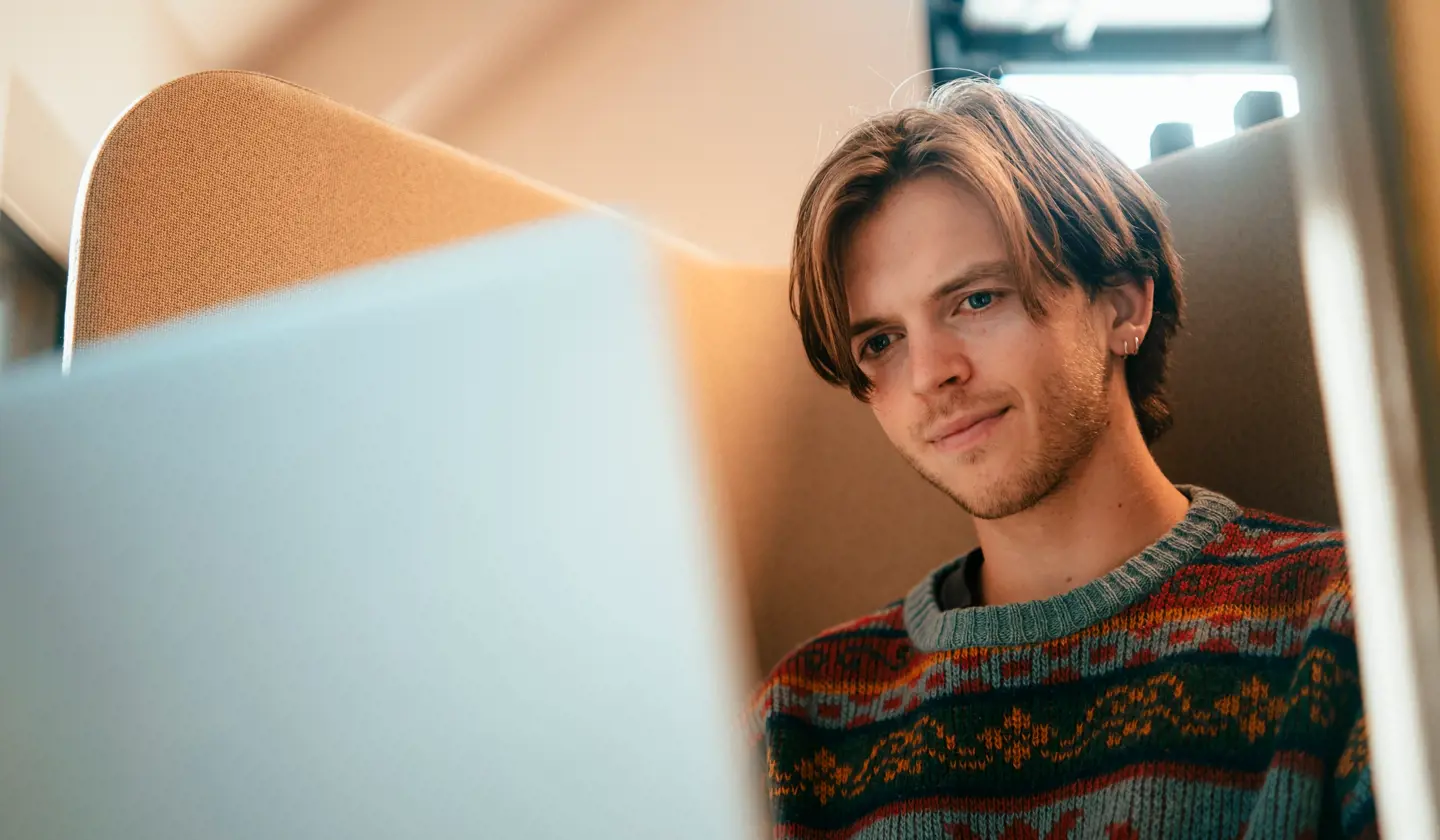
x,y
41,170
224,28
439,57
702,117
6,83
719,109
83,62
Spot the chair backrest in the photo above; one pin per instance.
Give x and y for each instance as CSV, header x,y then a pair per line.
x,y
1243,382
223,185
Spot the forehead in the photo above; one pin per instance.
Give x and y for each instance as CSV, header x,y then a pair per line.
x,y
927,231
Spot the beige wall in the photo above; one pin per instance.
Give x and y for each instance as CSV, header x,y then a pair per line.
x,y
40,169
705,116
76,64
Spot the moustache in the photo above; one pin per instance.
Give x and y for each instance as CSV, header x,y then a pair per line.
x,y
944,411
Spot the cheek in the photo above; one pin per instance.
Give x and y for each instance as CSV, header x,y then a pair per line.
x,y
1015,359
1003,347
892,414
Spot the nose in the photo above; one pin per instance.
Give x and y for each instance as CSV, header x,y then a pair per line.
x,y
938,359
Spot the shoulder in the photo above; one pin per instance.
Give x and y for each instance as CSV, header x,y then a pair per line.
x,y
1262,535
1299,562
817,678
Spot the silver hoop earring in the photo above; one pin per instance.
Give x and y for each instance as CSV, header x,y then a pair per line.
x,y
1126,351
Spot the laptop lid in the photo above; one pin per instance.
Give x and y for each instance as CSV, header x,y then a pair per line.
x,y
417,551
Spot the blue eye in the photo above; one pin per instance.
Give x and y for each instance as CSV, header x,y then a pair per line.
x,y
980,300
875,345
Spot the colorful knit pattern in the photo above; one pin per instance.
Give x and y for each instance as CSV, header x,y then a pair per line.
x,y
1208,688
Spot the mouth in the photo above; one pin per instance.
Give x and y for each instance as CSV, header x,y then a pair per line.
x,y
966,431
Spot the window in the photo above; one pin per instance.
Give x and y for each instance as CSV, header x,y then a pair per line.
x,y
1123,109
1122,67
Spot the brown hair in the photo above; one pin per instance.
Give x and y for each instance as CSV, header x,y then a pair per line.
x,y
1069,210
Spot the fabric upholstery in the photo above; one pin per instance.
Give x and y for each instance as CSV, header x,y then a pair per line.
x,y
222,185
1244,387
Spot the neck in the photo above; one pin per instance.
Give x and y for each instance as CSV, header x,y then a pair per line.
x,y
1111,506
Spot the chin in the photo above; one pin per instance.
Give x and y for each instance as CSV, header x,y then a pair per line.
x,y
972,480
988,485
989,499
996,501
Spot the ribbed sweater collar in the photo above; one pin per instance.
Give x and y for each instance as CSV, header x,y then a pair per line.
x,y
1030,622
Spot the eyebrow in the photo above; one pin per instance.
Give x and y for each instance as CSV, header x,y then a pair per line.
x,y
981,273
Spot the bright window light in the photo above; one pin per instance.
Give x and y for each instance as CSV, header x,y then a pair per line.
x,y
1035,15
1122,110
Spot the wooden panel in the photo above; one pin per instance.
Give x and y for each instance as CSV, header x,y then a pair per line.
x,y
1415,25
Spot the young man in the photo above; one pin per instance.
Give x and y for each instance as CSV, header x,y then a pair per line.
x,y
1121,657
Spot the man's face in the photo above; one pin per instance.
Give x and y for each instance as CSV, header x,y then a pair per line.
x,y
991,406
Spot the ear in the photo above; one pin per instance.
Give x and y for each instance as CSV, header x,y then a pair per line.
x,y
1130,303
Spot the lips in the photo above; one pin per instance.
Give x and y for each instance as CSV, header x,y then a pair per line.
x,y
960,431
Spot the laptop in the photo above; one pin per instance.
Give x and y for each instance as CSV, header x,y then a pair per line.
x,y
415,551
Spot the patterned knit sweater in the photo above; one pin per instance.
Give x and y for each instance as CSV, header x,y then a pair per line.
x,y
1207,688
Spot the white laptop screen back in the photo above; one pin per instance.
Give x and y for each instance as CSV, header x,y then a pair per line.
x,y
414,552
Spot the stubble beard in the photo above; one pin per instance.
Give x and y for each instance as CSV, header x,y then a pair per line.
x,y
1073,414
